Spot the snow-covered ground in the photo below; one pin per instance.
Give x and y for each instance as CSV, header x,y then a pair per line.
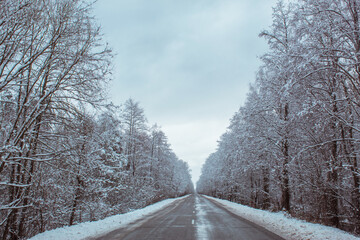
x,y
279,223
285,226
92,229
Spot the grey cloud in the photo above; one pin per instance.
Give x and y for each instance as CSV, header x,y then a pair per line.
x,y
185,60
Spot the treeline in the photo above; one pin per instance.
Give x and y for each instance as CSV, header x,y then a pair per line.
x,y
67,156
294,145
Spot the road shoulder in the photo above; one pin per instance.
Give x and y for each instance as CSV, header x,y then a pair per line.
x,y
283,225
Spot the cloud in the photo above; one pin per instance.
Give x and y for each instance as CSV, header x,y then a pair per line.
x,y
201,139
189,63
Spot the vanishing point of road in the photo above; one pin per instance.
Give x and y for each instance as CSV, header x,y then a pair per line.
x,y
191,218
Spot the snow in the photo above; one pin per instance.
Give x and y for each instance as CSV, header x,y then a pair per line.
x,y
284,225
279,223
202,227
97,228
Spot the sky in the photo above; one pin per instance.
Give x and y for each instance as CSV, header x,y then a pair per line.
x,y
189,64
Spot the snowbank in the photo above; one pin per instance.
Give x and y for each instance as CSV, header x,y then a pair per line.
x,y
92,229
285,226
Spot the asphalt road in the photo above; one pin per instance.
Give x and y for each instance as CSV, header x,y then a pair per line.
x,y
194,217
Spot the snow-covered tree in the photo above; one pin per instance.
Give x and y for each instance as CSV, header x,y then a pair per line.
x,y
66,156
294,144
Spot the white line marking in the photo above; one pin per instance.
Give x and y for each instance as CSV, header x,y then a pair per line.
x,y
192,222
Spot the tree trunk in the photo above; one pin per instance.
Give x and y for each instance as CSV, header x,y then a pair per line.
x,y
266,185
285,189
332,175
76,200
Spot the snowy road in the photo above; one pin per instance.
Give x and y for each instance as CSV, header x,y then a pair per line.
x,y
194,217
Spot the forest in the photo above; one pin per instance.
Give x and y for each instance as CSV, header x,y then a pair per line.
x,y
294,145
67,155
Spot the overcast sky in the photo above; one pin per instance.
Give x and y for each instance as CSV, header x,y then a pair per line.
x,y
188,62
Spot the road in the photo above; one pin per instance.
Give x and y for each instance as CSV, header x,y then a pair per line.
x,y
194,217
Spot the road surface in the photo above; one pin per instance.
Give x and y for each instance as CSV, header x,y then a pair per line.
x,y
194,217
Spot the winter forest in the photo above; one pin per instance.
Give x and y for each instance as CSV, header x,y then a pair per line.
x,y
68,155
294,145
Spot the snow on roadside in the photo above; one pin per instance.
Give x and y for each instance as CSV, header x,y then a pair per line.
x,y
285,226
202,226
96,228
